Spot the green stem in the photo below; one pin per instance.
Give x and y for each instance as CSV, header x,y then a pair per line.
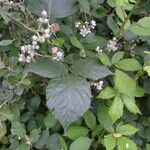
x,y
120,32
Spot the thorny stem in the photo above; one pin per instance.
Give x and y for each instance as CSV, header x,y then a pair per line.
x,y
3,104
120,32
22,24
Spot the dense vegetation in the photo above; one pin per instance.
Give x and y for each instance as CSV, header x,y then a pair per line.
x,y
74,75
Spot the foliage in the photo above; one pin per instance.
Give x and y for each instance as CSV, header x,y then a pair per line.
x,y
74,74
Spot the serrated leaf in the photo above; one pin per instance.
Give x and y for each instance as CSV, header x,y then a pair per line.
x,y
6,42
42,140
107,93
2,129
125,143
50,120
5,113
110,142
129,64
75,132
34,135
105,59
90,119
104,118
116,57
124,83
126,129
33,104
130,104
82,143
112,25
47,68
69,97
75,42
18,129
55,142
116,109
90,69
55,8
142,27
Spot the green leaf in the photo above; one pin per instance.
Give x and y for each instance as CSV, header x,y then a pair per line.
x,y
139,92
18,129
105,59
2,129
47,68
90,119
56,142
142,27
121,2
129,64
82,143
42,140
147,146
50,120
33,104
34,135
125,143
55,8
116,109
130,104
75,132
110,142
6,42
104,118
90,69
124,83
97,130
112,25
69,97
75,42
84,6
23,146
116,57
126,129
107,93
5,113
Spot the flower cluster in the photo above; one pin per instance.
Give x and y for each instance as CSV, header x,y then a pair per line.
x,y
57,54
133,50
86,27
44,32
99,84
27,53
98,49
112,45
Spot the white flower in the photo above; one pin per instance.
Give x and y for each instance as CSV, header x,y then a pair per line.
x,y
93,24
54,50
112,45
35,38
77,24
127,145
34,43
11,3
84,31
47,31
41,39
44,13
98,49
99,85
57,54
45,20
40,20
47,36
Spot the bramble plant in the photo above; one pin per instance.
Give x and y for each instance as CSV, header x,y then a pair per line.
x,y
74,75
